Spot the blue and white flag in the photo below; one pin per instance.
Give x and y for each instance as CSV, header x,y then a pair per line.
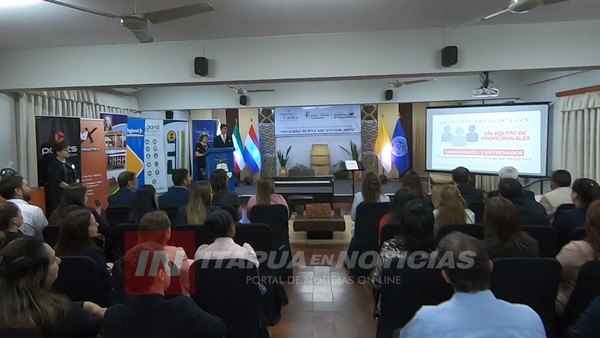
x,y
400,155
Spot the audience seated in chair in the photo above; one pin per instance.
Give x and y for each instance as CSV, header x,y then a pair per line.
x,y
474,197
10,221
179,193
370,193
510,172
198,207
452,209
576,253
400,198
587,288
412,181
150,314
28,268
146,200
265,194
588,324
561,193
124,197
473,311
503,234
530,211
222,197
16,189
585,191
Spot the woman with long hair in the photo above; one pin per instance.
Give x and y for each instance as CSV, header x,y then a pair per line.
x,y
452,208
224,198
73,197
502,229
200,154
198,207
370,193
265,195
146,201
28,268
400,198
412,180
10,221
576,253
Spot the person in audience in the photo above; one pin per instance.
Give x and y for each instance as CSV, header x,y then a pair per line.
x,y
77,229
502,229
452,209
265,194
220,224
179,193
150,314
474,197
510,172
198,207
412,180
400,198
124,197
146,201
224,198
75,196
588,324
416,235
155,227
10,221
585,191
576,253
530,211
224,140
473,311
16,189
370,193
28,268
200,154
61,174
561,193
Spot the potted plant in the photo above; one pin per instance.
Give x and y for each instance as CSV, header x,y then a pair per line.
x,y
354,154
338,172
283,160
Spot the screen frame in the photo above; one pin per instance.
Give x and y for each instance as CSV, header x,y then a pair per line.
x,y
548,130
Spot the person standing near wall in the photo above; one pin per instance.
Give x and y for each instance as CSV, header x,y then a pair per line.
x,y
200,154
61,174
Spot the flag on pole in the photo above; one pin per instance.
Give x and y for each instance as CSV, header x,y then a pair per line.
x,y
252,150
383,147
238,153
400,155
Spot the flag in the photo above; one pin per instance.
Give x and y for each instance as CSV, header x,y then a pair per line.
x,y
383,148
400,155
238,153
252,150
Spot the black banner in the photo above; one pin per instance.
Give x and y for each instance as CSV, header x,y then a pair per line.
x,y
51,130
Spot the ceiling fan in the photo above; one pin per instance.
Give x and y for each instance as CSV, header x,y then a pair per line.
x,y
138,23
242,91
398,84
521,7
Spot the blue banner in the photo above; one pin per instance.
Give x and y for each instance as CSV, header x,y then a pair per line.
x,y
136,128
400,154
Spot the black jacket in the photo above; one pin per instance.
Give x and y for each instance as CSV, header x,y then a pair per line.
x,y
531,212
474,198
176,197
526,193
566,221
218,143
124,197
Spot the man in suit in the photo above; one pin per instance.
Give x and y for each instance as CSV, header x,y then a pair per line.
x,y
178,194
510,172
474,197
561,193
224,140
124,197
530,211
150,314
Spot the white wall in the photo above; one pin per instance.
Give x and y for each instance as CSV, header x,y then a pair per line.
x,y
8,136
182,115
319,56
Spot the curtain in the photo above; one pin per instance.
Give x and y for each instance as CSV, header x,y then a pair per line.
x,y
581,135
66,103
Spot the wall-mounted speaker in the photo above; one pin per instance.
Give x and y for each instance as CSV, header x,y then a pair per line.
x,y
201,66
389,95
243,100
169,114
449,56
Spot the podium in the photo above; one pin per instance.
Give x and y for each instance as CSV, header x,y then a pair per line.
x,y
217,157
352,166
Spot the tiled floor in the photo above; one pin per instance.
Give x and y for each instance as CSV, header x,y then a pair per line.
x,y
323,301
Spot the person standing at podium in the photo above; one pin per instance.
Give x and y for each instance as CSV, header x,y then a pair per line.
x,y
200,153
224,140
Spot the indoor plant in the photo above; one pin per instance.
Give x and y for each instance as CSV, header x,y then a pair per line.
x,y
354,153
283,160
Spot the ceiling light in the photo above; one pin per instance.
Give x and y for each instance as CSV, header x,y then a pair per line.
x,y
15,3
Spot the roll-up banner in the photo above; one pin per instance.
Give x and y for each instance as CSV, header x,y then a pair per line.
x,y
115,138
93,162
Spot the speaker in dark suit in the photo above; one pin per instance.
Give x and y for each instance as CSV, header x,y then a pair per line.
x,y
224,140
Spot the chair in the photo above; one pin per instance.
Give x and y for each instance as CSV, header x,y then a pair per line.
x,y
547,238
117,215
404,291
276,216
365,240
259,236
587,287
172,214
530,281
201,233
389,231
122,229
79,278
227,288
50,234
473,230
578,234
564,207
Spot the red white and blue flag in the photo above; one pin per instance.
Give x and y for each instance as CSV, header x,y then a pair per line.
x,y
252,155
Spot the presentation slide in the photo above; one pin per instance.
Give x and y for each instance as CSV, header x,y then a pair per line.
x,y
487,138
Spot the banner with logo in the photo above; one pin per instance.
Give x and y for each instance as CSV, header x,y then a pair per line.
x,y
51,130
115,138
155,169
93,160
323,120
199,127
135,147
177,146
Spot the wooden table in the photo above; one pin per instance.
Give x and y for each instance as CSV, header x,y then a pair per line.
x,y
319,228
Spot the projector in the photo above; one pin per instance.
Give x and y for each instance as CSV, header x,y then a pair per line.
x,y
485,92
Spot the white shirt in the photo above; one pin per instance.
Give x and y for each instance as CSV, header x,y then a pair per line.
x,y
555,198
34,220
226,248
358,199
